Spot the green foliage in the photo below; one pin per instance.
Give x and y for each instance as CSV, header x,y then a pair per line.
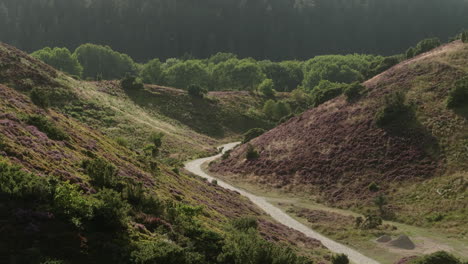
x,y
46,126
245,223
373,187
438,257
183,74
410,53
276,110
214,182
251,153
340,259
353,91
337,69
426,45
156,140
247,75
266,88
61,59
102,173
226,155
111,211
370,221
221,57
130,82
152,72
252,133
154,252
17,184
380,201
286,75
393,110
458,95
40,98
464,36
103,62
196,91
70,203
326,91
249,247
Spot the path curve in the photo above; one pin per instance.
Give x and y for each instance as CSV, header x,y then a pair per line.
x,y
195,167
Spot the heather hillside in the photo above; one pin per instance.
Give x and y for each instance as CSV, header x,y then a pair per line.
x,y
398,138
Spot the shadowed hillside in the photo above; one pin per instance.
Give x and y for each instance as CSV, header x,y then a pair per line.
x,y
337,150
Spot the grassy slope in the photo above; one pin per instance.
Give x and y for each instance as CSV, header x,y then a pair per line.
x,y
333,152
26,146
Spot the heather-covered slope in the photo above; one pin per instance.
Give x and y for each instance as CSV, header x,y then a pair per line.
x,y
69,192
336,150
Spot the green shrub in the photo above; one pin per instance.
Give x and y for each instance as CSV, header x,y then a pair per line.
x,y
130,82
226,155
380,201
458,96
214,182
326,91
197,91
245,223
439,257
61,59
340,259
17,184
252,133
251,154
464,36
410,53
111,211
40,98
152,252
373,187
426,45
371,221
250,247
154,148
353,91
394,109
46,126
102,173
266,88
70,203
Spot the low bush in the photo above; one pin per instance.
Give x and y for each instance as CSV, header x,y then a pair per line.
x,y
266,88
326,91
102,173
458,96
196,91
340,259
111,211
17,184
438,257
251,154
40,98
245,223
46,126
147,252
370,221
130,82
226,155
353,91
426,45
394,109
252,133
70,203
373,187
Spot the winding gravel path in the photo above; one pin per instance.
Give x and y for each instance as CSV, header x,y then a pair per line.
x,y
195,167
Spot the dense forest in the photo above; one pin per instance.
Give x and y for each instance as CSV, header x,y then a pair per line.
x,y
271,29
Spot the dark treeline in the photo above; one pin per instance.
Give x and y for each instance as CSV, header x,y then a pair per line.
x,y
262,29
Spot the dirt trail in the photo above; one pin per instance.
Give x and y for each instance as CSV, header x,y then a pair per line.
x,y
280,216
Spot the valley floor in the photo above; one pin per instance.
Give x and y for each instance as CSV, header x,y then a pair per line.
x,y
329,224
276,213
